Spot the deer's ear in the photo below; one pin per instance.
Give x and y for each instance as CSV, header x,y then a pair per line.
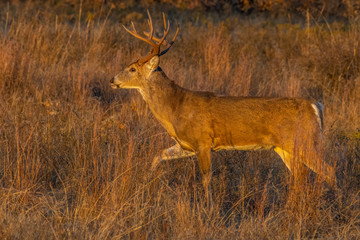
x,y
153,63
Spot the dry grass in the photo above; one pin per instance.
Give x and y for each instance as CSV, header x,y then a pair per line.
x,y
74,154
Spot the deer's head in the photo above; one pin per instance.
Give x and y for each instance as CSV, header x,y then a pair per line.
x,y
137,74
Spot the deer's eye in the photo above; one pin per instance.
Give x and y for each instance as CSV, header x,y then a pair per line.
x,y
132,69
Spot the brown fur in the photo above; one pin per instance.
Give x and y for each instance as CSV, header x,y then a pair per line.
x,y
201,121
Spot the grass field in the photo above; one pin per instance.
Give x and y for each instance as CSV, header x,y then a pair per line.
x,y
75,154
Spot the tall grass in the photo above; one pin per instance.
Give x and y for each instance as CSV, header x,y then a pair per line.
x,y
75,154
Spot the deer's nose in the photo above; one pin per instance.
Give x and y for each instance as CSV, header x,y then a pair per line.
x,y
112,80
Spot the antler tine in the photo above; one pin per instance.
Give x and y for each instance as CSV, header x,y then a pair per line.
x,y
177,31
133,26
151,25
166,32
151,30
171,43
164,20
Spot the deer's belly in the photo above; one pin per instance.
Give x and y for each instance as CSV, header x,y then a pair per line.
x,y
242,147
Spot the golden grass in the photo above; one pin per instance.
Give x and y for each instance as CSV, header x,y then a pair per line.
x,y
75,154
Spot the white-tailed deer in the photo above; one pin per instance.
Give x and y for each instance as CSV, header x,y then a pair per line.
x,y
201,121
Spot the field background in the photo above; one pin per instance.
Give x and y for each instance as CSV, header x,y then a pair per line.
x,y
75,154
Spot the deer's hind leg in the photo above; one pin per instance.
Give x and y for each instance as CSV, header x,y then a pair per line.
x,y
174,152
320,167
296,167
313,161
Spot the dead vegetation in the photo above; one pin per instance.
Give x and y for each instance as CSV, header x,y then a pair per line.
x,y
74,154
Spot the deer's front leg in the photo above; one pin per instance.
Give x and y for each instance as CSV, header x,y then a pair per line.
x,y
204,158
173,152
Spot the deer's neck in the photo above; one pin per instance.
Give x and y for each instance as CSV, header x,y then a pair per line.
x,y
163,98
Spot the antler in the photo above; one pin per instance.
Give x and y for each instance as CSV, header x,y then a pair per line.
x,y
164,42
150,38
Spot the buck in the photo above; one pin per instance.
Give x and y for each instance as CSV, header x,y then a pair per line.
x,y
200,122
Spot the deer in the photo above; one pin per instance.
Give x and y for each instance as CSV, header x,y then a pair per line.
x,y
202,122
